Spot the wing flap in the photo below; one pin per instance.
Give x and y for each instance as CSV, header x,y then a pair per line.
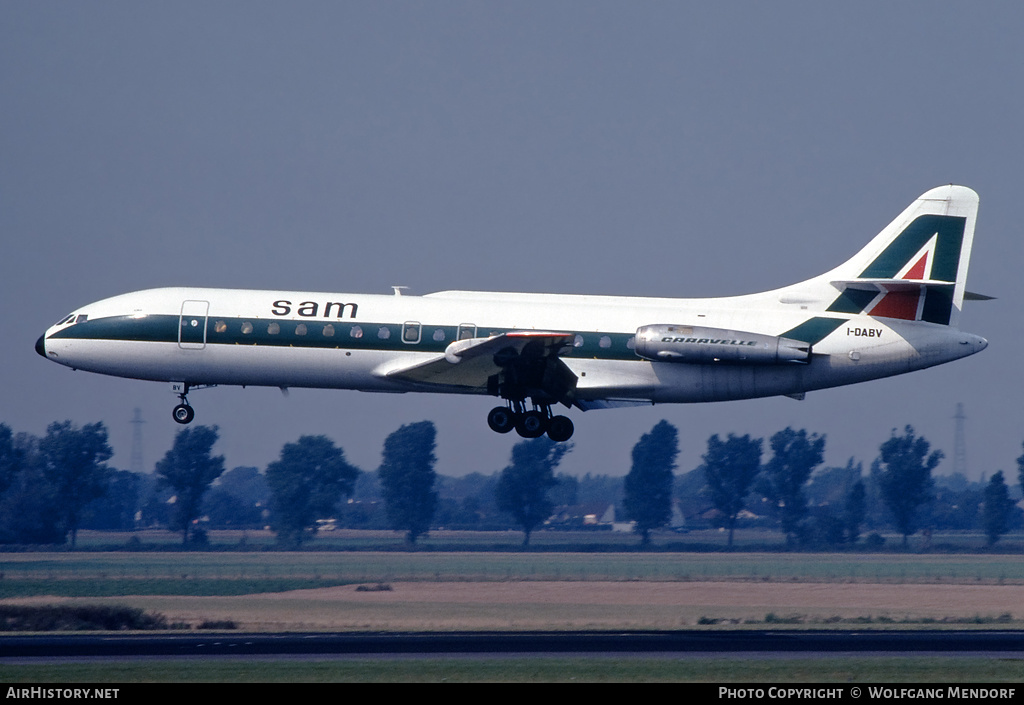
x,y
470,363
610,403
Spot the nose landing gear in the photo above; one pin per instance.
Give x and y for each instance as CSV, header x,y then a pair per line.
x,y
182,413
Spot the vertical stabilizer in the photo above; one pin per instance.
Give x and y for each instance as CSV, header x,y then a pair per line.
x,y
916,268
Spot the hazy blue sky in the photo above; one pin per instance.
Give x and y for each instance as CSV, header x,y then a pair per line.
x,y
654,148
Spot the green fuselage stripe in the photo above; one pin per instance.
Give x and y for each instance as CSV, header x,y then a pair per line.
x,y
320,334
349,335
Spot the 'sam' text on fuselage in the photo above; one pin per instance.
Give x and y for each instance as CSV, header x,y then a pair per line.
x,y
311,309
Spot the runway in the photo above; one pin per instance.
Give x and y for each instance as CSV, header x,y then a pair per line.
x,y
682,642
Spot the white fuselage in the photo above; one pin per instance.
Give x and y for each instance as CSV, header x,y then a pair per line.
x,y
355,341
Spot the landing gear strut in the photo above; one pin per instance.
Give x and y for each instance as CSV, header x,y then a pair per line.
x,y
530,424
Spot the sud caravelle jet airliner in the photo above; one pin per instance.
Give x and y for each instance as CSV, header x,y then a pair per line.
x,y
892,308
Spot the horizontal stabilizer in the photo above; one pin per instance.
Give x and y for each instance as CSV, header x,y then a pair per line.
x,y
888,284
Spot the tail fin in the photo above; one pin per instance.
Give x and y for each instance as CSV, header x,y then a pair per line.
x,y
916,268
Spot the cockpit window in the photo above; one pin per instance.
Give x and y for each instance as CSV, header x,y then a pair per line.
x,y
82,318
66,319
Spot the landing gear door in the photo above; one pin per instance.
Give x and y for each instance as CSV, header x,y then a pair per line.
x,y
192,325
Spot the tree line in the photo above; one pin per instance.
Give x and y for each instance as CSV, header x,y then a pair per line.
x,y
51,487
899,492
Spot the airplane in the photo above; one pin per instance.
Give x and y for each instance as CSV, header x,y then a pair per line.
x,y
892,308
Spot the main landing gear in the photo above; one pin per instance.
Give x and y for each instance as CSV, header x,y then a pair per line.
x,y
530,424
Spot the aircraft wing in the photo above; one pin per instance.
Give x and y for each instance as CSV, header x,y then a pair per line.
x,y
470,364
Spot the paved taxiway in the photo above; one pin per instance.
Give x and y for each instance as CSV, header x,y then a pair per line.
x,y
934,642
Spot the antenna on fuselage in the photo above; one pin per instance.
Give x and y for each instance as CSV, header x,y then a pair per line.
x,y
398,289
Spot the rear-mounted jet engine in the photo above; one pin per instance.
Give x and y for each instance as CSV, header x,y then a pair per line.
x,y
701,345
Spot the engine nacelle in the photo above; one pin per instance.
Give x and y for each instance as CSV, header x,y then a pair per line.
x,y
702,345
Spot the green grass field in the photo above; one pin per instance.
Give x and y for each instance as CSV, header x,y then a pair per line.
x,y
750,539
105,574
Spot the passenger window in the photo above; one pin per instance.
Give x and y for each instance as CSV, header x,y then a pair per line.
x,y
438,335
411,332
577,341
383,332
220,326
300,329
605,342
246,328
467,331
631,343
328,331
356,332
274,328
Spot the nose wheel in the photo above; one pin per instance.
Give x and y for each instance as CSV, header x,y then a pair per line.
x,y
183,413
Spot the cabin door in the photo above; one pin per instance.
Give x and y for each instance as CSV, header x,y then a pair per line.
x,y
192,325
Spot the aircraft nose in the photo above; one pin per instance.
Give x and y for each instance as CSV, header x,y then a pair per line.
x,y
41,345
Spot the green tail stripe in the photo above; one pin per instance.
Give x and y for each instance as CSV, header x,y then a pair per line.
x,y
815,330
852,301
950,231
938,304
